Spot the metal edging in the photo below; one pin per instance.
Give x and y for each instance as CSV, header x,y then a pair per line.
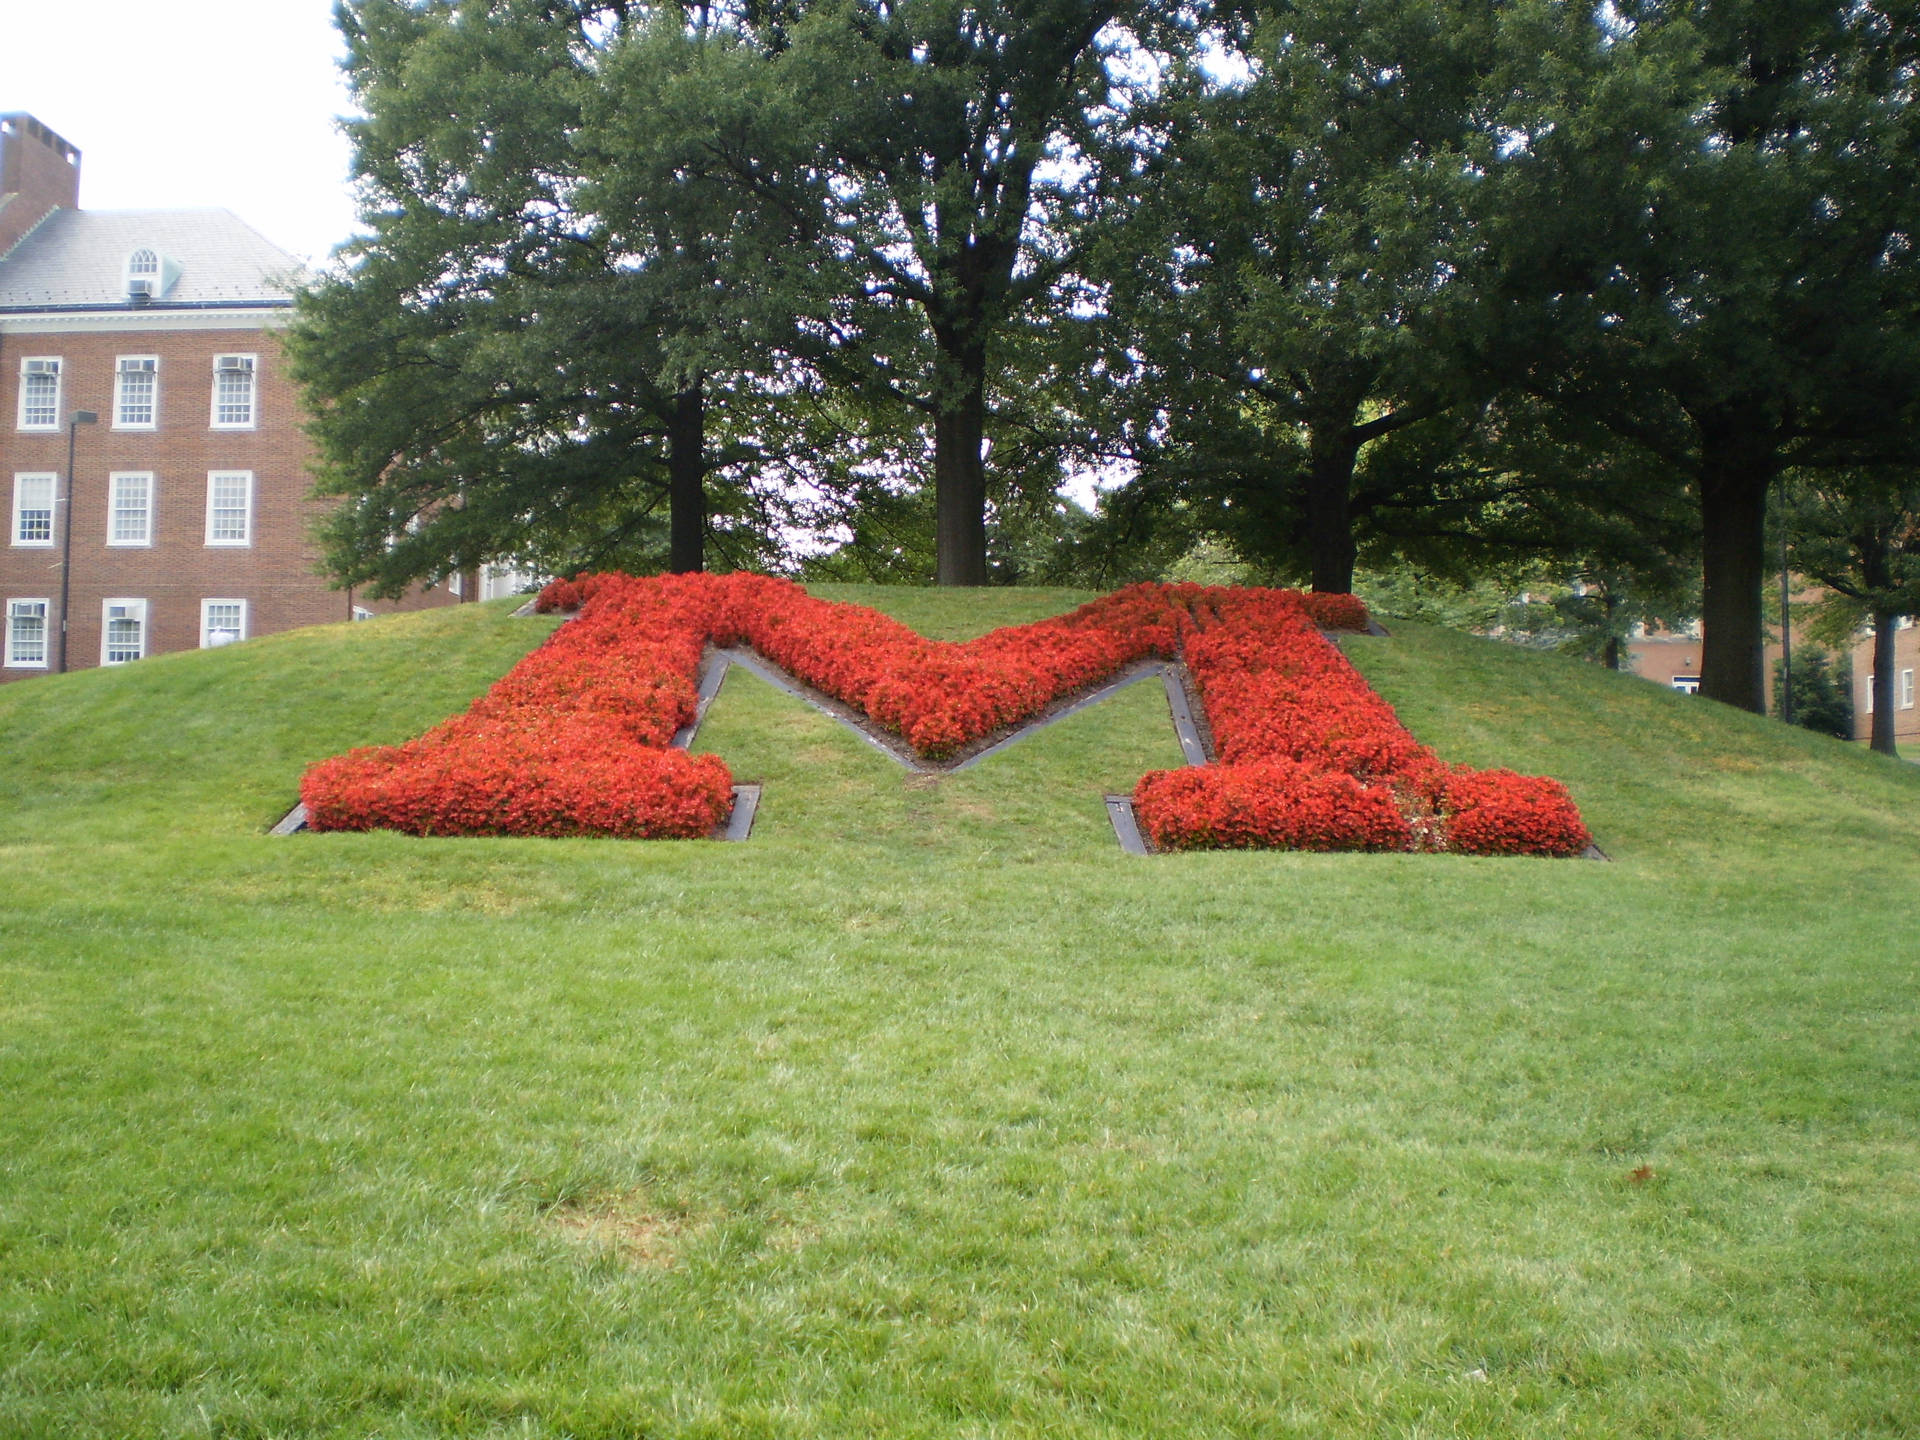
x,y
1034,727
713,673
739,822
1126,827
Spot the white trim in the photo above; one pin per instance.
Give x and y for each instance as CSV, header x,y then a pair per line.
x,y
113,508
59,392
252,372
144,320
1906,689
53,505
214,476
106,620
120,373
46,632
206,641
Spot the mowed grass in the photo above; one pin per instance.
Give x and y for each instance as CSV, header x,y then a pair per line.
x,y
929,1113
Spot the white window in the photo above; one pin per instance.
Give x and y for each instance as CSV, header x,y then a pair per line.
x,y
40,392
26,634
230,507
136,392
1869,694
130,515
33,509
222,622
123,631
1687,684
233,392
1906,689
143,264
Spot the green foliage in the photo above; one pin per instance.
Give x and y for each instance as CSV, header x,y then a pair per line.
x,y
1822,691
1718,201
553,301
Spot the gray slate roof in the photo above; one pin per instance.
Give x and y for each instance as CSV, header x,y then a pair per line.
x,y
78,258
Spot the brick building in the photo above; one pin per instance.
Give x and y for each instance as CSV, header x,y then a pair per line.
x,y
1674,660
189,507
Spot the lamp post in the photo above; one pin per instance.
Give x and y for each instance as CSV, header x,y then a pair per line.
x,y
74,422
1786,635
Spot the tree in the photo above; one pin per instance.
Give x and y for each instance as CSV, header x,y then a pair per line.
x,y
525,354
1858,534
1718,202
1310,236
970,149
1822,692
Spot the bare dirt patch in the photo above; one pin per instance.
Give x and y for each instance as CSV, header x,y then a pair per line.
x,y
629,1228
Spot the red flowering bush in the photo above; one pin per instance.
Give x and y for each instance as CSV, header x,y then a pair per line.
x,y
1290,714
1496,812
575,740
1274,804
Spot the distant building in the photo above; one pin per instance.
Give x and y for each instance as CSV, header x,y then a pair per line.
x,y
1674,659
190,512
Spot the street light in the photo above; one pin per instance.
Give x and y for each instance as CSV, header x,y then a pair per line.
x,y
74,422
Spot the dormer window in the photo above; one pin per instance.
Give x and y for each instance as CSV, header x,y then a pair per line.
x,y
147,277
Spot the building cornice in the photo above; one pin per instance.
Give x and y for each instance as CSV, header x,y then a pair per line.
x,y
146,318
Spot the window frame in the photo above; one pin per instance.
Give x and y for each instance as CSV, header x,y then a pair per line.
x,y
52,427
246,538
1906,689
214,422
106,632
52,477
206,642
12,662
113,509
119,392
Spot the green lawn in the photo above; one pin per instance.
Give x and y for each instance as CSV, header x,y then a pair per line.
x,y
927,1112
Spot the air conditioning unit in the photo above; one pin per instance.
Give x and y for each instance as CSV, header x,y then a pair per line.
x,y
120,612
43,367
233,364
140,288
139,367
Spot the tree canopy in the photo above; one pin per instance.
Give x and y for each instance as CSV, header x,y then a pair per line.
x,y
1458,283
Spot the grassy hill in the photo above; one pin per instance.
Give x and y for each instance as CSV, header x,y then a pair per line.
x,y
927,1112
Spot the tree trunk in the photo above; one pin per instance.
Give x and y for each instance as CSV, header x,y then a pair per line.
x,y
1331,452
1733,514
959,470
687,481
1882,741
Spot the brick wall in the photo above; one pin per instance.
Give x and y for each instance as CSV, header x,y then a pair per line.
x,y
38,172
275,573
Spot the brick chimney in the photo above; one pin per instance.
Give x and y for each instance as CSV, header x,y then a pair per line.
x,y
39,172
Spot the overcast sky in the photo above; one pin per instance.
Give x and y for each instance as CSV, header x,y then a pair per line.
x,y
188,103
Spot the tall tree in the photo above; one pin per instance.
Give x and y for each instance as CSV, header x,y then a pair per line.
x,y
1310,250
524,354
1717,203
969,146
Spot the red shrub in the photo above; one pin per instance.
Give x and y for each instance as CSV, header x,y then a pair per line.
x,y
1274,804
1496,812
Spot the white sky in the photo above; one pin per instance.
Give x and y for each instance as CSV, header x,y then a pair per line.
x,y
184,103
